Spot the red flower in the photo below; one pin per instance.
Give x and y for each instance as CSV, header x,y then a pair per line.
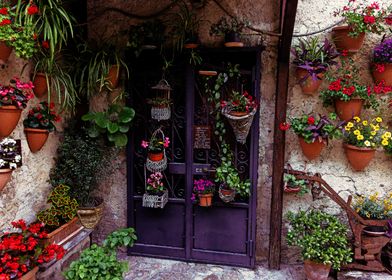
x,y
345,53
369,19
335,86
380,68
57,118
45,44
388,20
374,5
284,126
5,22
349,91
35,36
32,10
3,11
311,120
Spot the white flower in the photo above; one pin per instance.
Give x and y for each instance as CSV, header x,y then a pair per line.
x,y
2,162
13,166
18,158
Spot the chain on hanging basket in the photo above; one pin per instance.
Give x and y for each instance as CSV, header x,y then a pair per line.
x,y
157,162
160,109
240,122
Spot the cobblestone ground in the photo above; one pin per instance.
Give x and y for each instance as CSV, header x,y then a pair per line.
x,y
159,269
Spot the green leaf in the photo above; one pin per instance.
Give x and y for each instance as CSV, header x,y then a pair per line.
x,y
124,128
112,127
126,115
88,117
101,120
120,140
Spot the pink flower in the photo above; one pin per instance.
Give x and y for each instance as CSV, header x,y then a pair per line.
x,y
166,142
144,144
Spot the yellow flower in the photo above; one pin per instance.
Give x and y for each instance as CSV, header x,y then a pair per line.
x,y
350,124
387,134
373,133
384,142
367,143
347,128
376,128
378,119
357,119
360,137
365,123
357,132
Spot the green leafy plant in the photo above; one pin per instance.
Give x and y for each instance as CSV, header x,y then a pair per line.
x,y
62,210
225,26
321,237
6,29
114,122
42,117
101,262
155,184
292,182
148,34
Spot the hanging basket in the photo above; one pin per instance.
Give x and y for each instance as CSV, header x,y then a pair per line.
x,y
227,195
155,201
160,113
240,123
157,165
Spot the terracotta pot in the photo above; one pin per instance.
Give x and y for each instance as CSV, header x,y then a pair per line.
x,y
5,176
31,275
63,233
155,156
40,85
191,46
5,51
90,216
385,76
345,42
358,157
205,200
346,110
9,118
238,114
36,138
308,86
316,271
227,192
113,75
311,150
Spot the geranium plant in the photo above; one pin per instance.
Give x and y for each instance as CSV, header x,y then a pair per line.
x,y
364,18
315,129
21,252
155,184
17,94
6,27
373,206
364,133
42,116
10,154
156,145
202,186
239,102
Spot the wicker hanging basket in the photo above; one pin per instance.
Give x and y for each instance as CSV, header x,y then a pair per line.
x,y
155,201
161,113
227,195
160,165
240,123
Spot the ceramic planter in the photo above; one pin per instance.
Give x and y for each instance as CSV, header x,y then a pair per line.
x,y
40,85
205,200
345,42
5,176
311,150
155,156
385,76
309,85
63,233
9,118
31,275
90,216
192,42
5,51
346,110
36,138
359,158
233,39
316,271
113,76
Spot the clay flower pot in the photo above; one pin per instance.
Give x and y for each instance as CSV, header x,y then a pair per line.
x,y
311,150
345,42
90,216
40,85
113,76
5,51
205,200
316,271
9,118
5,176
358,157
155,156
309,85
233,40
346,110
31,275
36,138
384,76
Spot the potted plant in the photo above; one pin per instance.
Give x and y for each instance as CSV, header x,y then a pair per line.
x,y
156,147
231,29
21,252
6,31
386,142
382,63
312,60
160,108
360,19
240,109
98,261
322,239
13,99
361,138
156,195
203,190
114,122
81,171
346,92
38,124
294,185
147,36
60,218
313,134
10,159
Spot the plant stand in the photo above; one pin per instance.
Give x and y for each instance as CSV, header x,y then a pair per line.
x,y
155,201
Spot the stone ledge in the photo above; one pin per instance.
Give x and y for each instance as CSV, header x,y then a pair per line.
x,y
363,275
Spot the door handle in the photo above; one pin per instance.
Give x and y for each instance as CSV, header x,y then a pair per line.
x,y
206,170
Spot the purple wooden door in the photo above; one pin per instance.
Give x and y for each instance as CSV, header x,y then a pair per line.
x,y
223,233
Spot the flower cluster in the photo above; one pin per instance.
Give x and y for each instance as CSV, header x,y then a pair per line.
x,y
17,93
364,18
42,117
20,250
373,206
155,184
364,133
239,102
156,145
10,154
202,186
312,129
382,53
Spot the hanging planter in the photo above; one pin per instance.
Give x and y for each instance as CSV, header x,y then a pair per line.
x,y
205,200
233,40
156,195
155,200
231,29
308,84
5,177
382,73
344,41
241,123
40,85
113,76
5,51
192,41
9,116
382,63
10,155
226,194
156,157
359,157
160,105
161,112
36,138
316,271
91,216
346,110
311,150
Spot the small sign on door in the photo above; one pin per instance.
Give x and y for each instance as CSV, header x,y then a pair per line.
x,y
202,137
